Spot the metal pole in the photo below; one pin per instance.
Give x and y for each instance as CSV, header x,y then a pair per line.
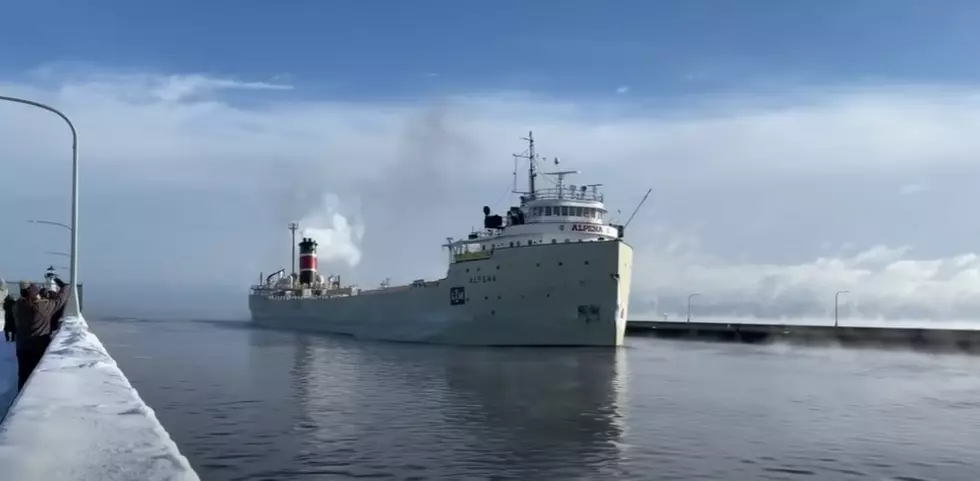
x,y
293,226
837,305
73,308
689,306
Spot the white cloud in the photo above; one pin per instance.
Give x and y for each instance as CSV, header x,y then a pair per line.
x,y
912,189
883,282
622,89
751,194
179,87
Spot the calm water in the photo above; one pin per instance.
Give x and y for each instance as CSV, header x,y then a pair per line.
x,y
250,404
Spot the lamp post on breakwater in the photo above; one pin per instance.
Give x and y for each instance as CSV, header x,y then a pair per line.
x,y
73,304
53,253
689,305
48,222
837,305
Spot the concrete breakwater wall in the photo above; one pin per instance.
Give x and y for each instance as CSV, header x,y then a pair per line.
x,y
916,338
78,418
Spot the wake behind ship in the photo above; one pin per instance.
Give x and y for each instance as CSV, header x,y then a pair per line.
x,y
549,272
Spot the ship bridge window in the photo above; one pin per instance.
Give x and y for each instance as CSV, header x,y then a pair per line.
x,y
547,211
536,212
564,211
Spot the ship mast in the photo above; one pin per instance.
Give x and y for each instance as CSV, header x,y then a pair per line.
x,y
531,158
292,227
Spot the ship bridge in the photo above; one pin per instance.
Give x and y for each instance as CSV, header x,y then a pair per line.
x,y
568,203
562,213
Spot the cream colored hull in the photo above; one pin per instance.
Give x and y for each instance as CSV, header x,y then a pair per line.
x,y
566,294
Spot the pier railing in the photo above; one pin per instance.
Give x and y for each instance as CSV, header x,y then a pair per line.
x,y
78,418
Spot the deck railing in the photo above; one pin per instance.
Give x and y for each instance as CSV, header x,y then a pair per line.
x,y
566,193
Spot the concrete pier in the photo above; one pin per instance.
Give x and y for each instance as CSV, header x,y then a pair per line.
x,y
78,418
929,339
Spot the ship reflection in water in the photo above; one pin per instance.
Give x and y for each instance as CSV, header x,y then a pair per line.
x,y
456,413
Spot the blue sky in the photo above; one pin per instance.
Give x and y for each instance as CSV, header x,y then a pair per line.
x,y
807,147
575,47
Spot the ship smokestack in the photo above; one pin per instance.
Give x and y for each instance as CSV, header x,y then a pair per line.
x,y
307,261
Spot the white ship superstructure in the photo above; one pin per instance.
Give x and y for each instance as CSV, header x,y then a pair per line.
x,y
549,271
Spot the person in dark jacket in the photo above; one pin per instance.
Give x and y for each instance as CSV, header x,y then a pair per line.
x,y
9,325
33,315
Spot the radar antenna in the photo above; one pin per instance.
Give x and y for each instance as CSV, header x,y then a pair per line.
x,y
561,180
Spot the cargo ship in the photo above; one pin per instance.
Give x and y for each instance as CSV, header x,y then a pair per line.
x,y
550,271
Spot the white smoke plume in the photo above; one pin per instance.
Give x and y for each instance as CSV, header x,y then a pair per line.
x,y
337,237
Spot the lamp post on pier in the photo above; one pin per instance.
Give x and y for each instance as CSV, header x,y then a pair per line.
x,y
73,307
689,306
48,222
837,306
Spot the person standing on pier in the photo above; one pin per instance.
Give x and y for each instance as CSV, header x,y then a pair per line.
x,y
33,315
9,326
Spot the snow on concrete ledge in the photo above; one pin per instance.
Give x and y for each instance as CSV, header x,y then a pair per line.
x,y
79,419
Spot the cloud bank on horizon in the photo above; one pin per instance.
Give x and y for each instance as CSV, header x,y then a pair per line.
x,y
765,204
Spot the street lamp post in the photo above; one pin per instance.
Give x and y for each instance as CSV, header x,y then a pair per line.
x,y
48,222
73,304
689,305
837,306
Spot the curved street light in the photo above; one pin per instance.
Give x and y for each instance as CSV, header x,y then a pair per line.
x,y
48,222
73,305
689,305
837,305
